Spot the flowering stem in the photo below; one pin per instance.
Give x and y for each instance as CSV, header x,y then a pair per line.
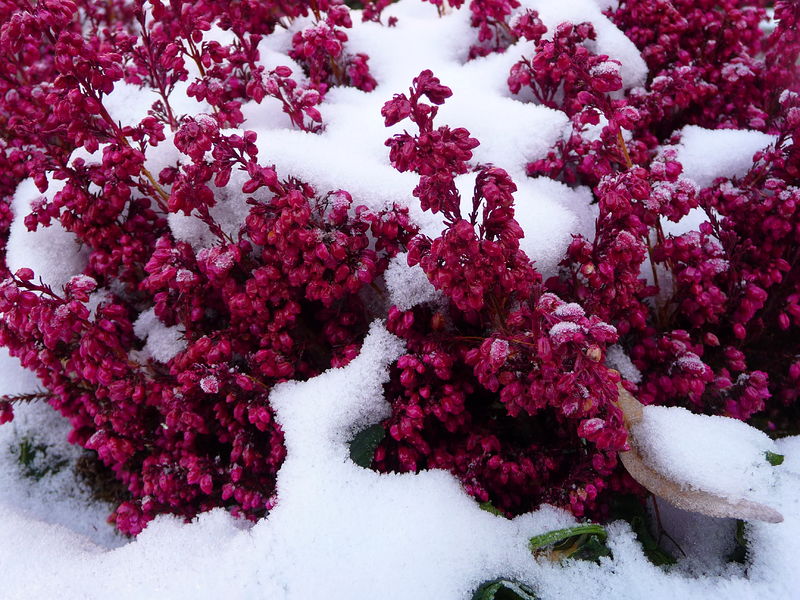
x,y
159,190
195,55
629,164
158,77
26,397
315,10
337,71
624,148
123,139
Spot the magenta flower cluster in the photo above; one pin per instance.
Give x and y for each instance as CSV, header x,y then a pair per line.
x,y
504,381
710,329
285,296
506,384
708,317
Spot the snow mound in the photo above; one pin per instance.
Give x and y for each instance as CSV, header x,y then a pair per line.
x,y
710,153
716,454
347,533
338,530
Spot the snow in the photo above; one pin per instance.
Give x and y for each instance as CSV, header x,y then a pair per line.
x,y
570,311
46,490
610,40
549,213
338,530
350,153
229,211
616,358
349,533
712,453
161,342
407,286
564,331
707,154
710,153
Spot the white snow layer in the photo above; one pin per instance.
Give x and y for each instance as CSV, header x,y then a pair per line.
x,y
616,358
710,153
707,154
712,453
340,531
408,286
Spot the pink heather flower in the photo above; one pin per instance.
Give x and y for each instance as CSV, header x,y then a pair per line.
x,y
210,384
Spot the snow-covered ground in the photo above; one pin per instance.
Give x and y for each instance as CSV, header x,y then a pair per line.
x,y
340,531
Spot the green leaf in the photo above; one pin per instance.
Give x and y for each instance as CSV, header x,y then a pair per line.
x,y
504,589
741,536
582,542
773,458
489,507
36,460
739,553
591,548
562,535
362,447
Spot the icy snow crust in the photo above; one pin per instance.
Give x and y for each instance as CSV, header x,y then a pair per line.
x,y
340,531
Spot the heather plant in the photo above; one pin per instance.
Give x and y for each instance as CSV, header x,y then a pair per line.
x,y
281,297
665,295
736,286
504,384
707,55
197,432
673,324
503,381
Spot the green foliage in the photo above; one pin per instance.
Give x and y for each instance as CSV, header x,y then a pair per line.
x,y
589,547
557,536
582,542
739,553
504,589
36,460
363,445
489,507
773,458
